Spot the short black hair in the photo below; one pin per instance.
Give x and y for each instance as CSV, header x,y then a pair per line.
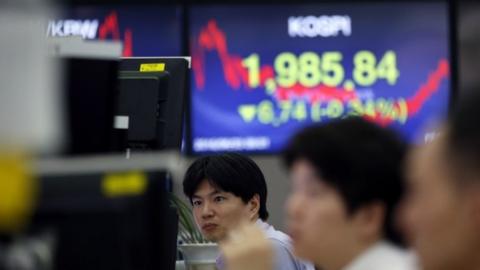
x,y
361,160
229,172
463,132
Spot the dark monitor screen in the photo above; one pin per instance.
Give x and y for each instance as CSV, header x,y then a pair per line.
x,y
89,87
262,72
116,220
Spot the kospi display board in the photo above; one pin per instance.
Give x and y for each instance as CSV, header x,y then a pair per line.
x,y
262,72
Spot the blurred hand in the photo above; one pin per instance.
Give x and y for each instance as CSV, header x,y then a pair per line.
x,y
247,248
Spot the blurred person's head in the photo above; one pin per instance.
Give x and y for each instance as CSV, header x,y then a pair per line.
x,y
225,190
347,180
442,206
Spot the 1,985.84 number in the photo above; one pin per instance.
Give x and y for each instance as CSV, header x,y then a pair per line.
x,y
309,69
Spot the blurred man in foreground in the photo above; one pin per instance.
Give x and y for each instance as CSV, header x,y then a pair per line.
x,y
347,180
442,209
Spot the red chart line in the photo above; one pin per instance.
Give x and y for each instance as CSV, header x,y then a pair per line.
x,y
212,38
110,28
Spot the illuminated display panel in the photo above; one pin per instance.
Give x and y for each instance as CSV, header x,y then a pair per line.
x,y
145,30
262,72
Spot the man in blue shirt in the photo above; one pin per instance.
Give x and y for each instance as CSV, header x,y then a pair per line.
x,y
228,189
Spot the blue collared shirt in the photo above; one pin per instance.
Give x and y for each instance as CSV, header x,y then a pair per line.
x,y
283,256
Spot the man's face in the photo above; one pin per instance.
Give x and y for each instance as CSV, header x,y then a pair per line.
x,y
216,212
317,219
438,213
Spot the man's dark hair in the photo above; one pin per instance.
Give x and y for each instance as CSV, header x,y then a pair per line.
x,y
463,135
361,160
230,173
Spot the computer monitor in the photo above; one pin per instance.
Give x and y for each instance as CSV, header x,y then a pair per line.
x,y
88,85
151,101
89,89
110,220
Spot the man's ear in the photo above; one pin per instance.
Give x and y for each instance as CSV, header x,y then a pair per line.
x,y
254,206
368,221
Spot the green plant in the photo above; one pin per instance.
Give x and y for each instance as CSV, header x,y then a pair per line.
x,y
187,229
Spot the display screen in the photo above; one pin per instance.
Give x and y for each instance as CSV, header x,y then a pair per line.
x,y
145,30
262,72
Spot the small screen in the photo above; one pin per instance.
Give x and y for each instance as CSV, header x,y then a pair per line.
x,y
144,30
